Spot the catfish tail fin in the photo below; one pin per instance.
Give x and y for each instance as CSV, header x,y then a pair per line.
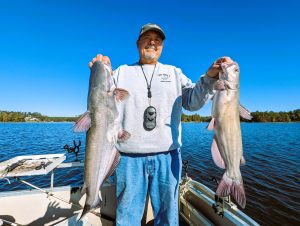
x,y
232,187
86,209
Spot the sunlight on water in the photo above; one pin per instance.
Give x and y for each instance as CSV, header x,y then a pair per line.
x,y
271,173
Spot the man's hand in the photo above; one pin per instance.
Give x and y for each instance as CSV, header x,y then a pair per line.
x,y
104,59
215,68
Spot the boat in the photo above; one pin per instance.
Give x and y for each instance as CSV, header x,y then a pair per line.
x,y
61,205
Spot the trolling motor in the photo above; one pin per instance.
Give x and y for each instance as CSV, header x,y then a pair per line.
x,y
74,149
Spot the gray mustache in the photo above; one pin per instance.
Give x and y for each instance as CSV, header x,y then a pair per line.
x,y
151,46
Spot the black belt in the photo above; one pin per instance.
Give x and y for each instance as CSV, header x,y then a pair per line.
x,y
145,154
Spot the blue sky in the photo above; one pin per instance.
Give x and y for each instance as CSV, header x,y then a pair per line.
x,y
45,47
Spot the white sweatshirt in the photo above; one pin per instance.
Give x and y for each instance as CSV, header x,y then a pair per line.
x,y
171,90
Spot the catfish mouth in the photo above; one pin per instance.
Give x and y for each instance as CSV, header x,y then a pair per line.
x,y
226,68
225,65
228,77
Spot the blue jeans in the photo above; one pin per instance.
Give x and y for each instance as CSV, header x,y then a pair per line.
x,y
157,174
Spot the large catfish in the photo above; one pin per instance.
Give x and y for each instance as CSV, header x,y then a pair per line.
x,y
227,150
103,130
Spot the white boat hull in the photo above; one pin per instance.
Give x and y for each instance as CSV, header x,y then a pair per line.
x,y
62,205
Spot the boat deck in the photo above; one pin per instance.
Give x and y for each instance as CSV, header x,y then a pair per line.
x,y
198,205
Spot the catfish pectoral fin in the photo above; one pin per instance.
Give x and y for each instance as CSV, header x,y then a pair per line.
x,y
245,113
123,135
121,94
83,123
211,125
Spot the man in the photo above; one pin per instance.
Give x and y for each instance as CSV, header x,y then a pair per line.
x,y
150,158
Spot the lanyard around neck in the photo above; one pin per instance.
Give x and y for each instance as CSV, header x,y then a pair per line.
x,y
149,94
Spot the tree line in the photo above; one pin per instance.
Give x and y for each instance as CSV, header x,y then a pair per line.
x,y
266,116
12,116
271,116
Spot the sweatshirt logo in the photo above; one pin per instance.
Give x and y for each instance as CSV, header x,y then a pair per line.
x,y
164,77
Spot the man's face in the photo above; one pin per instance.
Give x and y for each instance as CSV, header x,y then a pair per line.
x,y
150,46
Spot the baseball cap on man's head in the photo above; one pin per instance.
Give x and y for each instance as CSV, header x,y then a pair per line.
x,y
152,27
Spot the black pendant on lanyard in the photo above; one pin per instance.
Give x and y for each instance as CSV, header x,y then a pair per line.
x,y
149,118
149,122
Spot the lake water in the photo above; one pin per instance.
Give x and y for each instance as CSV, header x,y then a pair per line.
x,y
271,174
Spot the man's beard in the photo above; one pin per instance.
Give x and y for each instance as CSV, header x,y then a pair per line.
x,y
150,55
